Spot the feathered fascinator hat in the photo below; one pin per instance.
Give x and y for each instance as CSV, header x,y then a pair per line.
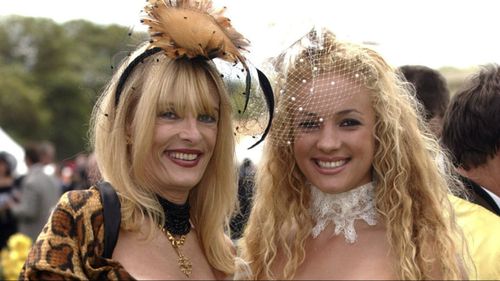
x,y
314,76
193,29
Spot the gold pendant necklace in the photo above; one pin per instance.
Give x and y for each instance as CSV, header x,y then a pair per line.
x,y
183,261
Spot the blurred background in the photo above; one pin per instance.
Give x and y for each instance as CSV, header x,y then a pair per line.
x,y
56,56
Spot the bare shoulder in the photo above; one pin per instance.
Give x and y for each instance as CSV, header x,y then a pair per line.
x,y
332,257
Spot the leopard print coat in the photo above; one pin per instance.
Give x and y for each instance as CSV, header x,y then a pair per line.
x,y
71,245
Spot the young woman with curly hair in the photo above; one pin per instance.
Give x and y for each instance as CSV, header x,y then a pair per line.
x,y
349,186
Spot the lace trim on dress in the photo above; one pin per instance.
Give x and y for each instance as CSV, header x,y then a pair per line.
x,y
343,209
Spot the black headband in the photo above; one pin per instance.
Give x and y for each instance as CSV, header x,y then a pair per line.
x,y
263,82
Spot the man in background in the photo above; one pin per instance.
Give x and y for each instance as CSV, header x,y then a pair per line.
x,y
471,132
47,153
39,194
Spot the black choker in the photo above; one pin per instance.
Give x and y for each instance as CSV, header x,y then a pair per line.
x,y
176,217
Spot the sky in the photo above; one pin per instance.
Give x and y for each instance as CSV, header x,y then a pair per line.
x,y
436,33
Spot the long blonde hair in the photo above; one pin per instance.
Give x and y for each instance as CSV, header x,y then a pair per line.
x,y
411,188
122,138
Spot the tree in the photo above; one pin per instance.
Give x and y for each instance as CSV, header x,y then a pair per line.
x,y
21,112
51,75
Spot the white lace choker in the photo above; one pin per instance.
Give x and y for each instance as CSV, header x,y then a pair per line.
x,y
343,209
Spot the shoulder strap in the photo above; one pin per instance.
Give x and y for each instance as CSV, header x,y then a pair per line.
x,y
112,216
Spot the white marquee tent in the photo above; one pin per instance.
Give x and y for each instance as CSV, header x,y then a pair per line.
x,y
9,145
243,152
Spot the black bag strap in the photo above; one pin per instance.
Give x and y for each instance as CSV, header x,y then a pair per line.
x,y
112,216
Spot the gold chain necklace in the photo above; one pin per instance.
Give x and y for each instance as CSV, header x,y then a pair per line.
x,y
183,261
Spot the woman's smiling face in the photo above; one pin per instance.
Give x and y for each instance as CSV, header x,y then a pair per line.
x,y
334,146
184,139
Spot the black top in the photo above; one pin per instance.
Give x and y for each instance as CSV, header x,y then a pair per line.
x,y
176,217
480,196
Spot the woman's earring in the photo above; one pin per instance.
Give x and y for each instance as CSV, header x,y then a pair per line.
x,y
128,139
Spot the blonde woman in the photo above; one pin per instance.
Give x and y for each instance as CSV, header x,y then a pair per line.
x,y
349,187
163,140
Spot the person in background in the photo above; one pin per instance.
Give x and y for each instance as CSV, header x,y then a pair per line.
x,y
73,174
348,187
47,152
471,133
8,224
39,195
246,182
92,171
431,91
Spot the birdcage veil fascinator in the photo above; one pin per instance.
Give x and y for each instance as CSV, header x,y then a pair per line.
x,y
314,76
194,29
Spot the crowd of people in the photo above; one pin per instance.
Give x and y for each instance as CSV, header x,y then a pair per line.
x,y
369,171
26,200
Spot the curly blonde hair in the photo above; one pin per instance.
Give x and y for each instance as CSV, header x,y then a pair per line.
x,y
122,138
411,187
